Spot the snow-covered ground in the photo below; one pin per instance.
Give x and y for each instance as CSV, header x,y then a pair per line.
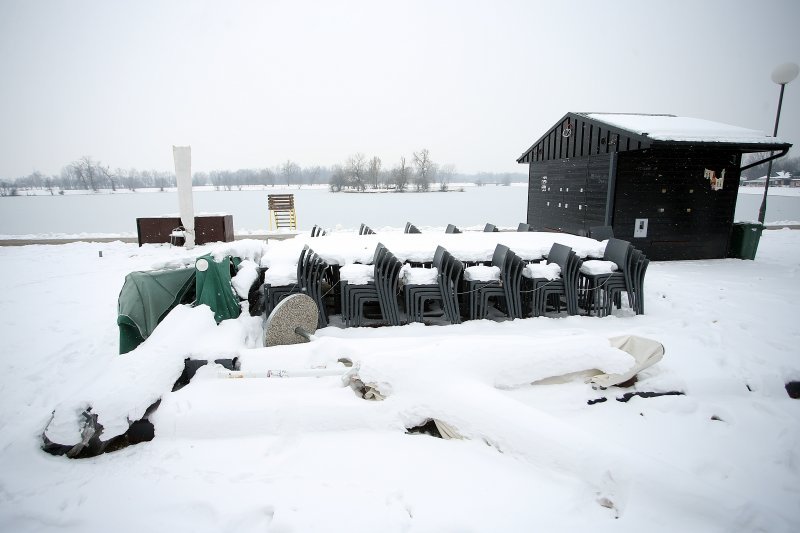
x,y
309,454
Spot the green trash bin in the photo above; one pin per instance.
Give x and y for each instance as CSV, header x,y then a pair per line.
x,y
744,239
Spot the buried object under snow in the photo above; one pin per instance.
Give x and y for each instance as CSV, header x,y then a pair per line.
x,y
136,384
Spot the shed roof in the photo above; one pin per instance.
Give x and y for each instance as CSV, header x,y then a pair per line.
x,y
582,134
687,129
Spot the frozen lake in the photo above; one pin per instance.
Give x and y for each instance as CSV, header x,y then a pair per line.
x,y
117,213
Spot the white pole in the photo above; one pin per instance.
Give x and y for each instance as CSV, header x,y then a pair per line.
x,y
183,176
280,373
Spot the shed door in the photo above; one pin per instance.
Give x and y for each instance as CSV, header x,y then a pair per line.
x,y
569,195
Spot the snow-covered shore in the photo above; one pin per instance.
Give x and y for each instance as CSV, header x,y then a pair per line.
x,y
309,455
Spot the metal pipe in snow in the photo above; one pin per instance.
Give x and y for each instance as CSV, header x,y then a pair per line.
x,y
283,373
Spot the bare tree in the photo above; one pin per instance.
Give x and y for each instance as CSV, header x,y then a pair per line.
x,y
445,175
108,176
400,175
265,177
311,175
424,169
290,171
374,172
85,172
338,179
356,171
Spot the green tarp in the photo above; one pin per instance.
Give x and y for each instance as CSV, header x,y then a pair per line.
x,y
213,286
147,297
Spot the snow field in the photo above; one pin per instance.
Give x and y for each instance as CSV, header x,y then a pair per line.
x,y
309,455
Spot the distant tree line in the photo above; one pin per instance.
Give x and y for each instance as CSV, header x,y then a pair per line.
x,y
786,163
419,173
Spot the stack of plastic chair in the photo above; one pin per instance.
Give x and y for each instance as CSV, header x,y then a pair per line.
x,y
565,285
365,230
511,281
317,231
489,228
387,280
523,227
383,290
638,284
633,284
599,288
478,278
352,293
411,228
450,278
452,229
275,293
601,233
505,287
310,277
417,295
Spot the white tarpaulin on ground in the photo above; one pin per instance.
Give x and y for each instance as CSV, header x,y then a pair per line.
x,y
183,176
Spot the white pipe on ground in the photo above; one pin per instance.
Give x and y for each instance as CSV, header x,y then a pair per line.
x,y
280,373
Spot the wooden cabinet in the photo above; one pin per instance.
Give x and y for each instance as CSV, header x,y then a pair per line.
x,y
214,228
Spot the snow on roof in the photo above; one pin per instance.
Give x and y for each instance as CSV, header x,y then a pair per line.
x,y
674,128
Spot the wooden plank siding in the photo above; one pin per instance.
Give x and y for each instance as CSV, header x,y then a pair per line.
x,y
600,174
568,195
666,186
587,138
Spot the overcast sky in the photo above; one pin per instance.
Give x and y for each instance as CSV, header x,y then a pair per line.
x,y
252,84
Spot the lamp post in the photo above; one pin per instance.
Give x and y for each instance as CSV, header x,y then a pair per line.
x,y
782,75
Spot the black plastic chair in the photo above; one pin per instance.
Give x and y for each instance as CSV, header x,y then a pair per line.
x,y
452,229
489,228
352,294
382,291
365,230
511,281
601,233
275,293
417,295
311,276
633,284
317,231
450,278
411,228
599,290
523,227
387,280
480,292
638,288
566,285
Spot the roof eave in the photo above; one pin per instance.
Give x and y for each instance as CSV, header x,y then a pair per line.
x,y
739,146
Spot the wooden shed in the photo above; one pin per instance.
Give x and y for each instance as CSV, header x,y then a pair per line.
x,y
666,183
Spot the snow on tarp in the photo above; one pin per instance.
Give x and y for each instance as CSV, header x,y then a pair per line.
x,y
458,380
136,380
672,128
245,277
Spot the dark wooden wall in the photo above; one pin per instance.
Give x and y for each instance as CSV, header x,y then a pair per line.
x,y
666,186
569,195
686,218
576,136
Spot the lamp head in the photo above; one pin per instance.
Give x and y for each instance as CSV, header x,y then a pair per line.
x,y
785,73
